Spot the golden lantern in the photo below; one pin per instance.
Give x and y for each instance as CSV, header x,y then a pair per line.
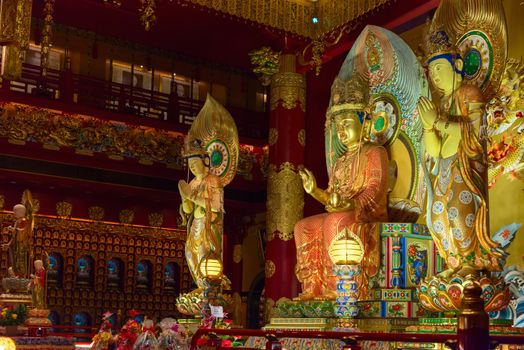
x,y
7,344
346,248
211,266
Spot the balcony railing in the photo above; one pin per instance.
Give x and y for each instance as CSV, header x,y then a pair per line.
x,y
177,112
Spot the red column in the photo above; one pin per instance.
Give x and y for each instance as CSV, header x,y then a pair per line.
x,y
285,201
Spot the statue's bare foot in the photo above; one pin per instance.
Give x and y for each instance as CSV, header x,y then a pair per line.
x,y
305,296
467,270
328,295
446,274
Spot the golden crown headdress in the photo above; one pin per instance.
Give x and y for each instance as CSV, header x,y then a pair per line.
x,y
352,94
438,42
194,148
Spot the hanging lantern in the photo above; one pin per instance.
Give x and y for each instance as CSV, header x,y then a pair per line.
x,y
211,266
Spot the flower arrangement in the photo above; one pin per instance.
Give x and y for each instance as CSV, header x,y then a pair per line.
x,y
220,323
13,316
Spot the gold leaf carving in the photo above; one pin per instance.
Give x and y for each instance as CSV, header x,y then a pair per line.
x,y
302,137
156,219
285,200
127,216
237,253
273,136
288,89
64,209
96,213
270,268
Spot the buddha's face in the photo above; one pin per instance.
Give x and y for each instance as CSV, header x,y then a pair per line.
x,y
196,165
442,74
348,128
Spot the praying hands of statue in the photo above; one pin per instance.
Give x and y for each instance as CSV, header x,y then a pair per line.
x,y
428,113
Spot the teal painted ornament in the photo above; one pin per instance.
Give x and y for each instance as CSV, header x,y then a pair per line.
x,y
472,63
379,124
216,158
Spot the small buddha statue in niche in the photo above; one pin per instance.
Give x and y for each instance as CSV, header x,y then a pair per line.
x,y
83,275
169,277
113,274
142,278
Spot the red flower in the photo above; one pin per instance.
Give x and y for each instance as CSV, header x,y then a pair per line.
x,y
412,250
133,313
202,341
366,307
396,307
227,343
520,115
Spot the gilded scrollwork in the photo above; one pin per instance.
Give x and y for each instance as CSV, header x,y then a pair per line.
x,y
288,90
22,124
270,268
155,219
302,137
295,16
126,216
273,136
15,27
237,253
285,200
96,213
64,209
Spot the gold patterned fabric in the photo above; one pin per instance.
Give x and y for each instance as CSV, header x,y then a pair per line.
x,y
205,226
314,234
457,209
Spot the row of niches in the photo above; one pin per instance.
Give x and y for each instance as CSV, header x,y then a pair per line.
x,y
54,237
115,275
109,247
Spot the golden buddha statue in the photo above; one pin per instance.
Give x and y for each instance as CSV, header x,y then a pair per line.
x,y
19,243
211,149
356,196
203,205
457,198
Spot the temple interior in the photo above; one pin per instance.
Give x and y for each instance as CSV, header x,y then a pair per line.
x,y
261,174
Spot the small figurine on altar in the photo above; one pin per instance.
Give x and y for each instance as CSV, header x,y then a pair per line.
x,y
37,285
18,245
356,196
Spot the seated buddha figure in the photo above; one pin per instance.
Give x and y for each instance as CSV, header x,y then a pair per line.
x,y
356,196
457,195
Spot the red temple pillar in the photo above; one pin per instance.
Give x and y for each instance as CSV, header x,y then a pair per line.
x,y
285,195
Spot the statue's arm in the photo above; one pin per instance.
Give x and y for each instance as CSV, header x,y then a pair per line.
x,y
310,186
320,195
